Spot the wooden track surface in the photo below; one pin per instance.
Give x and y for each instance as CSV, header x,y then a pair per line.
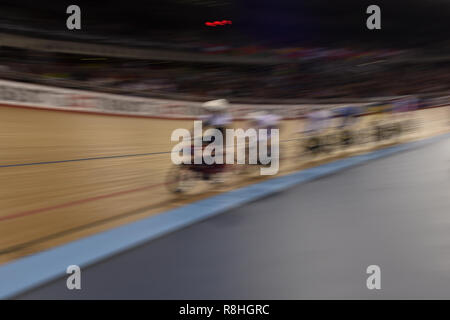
x,y
68,175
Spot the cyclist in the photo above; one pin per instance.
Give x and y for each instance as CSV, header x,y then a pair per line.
x,y
349,115
217,117
265,120
318,121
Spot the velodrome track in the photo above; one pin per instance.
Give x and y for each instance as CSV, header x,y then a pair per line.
x,y
72,175
314,240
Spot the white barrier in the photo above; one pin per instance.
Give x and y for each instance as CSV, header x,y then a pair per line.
x,y
32,95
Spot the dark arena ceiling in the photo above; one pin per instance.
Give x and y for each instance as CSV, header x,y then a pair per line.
x,y
404,23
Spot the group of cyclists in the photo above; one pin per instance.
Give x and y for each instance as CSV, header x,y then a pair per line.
x,y
323,128
329,128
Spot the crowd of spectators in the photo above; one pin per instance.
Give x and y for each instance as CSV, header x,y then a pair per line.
x,y
339,76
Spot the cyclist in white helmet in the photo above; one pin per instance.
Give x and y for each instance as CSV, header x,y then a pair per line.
x,y
265,120
218,117
317,120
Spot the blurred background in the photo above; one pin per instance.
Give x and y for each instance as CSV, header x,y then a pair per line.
x,y
272,50
136,71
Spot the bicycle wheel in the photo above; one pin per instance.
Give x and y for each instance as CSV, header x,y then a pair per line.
x,y
180,179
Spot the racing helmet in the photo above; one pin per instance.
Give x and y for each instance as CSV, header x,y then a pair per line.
x,y
216,105
258,114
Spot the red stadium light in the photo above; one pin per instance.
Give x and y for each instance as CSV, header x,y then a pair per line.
x,y
218,23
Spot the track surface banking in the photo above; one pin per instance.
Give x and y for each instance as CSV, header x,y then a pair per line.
x,y
71,175
312,241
